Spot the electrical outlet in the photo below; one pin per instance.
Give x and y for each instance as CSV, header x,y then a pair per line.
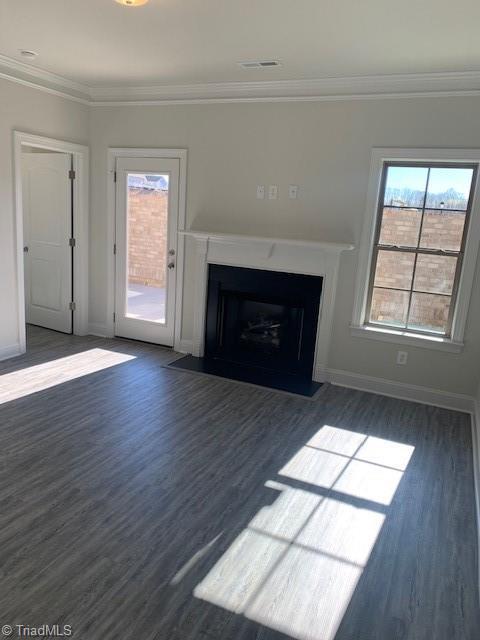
x,y
260,192
402,357
272,192
292,191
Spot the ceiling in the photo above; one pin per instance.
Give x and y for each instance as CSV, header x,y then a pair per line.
x,y
100,43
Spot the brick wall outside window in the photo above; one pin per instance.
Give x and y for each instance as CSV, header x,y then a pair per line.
x,y
147,236
441,229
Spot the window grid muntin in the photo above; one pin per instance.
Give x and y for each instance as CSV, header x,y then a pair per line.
x,y
396,206
418,250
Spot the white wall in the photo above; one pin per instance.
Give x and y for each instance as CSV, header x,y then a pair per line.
x,y
325,149
33,111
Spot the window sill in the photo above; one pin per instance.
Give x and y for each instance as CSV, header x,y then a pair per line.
x,y
404,337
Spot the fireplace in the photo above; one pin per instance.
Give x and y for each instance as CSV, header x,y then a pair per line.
x,y
262,352
260,327
262,319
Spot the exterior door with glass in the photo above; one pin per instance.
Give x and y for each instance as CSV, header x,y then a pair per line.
x,y
146,221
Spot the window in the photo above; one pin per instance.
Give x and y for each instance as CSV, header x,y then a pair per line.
x,y
420,238
419,234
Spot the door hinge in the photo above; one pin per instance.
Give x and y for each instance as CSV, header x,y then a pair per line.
x,y
72,242
114,316
71,174
115,249
72,306
114,176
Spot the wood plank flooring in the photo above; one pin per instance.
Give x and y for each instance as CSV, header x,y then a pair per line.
x,y
139,502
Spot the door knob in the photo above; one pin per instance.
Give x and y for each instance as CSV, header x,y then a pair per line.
x,y
25,249
171,252
171,265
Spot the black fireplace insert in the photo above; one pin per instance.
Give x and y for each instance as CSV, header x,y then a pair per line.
x,y
264,319
261,328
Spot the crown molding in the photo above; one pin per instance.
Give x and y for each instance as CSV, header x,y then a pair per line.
x,y
31,76
346,88
465,83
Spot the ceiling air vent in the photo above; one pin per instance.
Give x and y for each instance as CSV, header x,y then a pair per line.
x,y
259,64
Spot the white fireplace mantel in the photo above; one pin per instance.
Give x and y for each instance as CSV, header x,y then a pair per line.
x,y
273,254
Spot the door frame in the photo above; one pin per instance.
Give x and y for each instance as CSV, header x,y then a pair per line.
x,y
80,156
161,154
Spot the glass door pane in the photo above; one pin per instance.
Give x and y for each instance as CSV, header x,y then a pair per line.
x,y
147,246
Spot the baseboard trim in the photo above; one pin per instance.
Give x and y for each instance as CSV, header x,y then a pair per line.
x,y
184,346
10,351
98,329
476,470
401,390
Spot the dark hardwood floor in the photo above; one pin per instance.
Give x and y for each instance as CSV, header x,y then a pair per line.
x,y
140,502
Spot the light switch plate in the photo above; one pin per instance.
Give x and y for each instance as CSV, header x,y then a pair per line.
x,y
272,192
260,192
293,191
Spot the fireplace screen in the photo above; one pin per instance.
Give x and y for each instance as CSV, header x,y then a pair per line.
x,y
257,331
263,331
267,327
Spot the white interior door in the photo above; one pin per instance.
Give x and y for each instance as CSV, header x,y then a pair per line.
x,y
47,216
146,248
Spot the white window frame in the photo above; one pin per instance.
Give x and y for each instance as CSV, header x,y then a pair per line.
x,y
453,343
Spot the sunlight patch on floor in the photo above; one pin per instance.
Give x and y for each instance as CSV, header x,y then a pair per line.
x,y
39,377
296,565
188,566
352,463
